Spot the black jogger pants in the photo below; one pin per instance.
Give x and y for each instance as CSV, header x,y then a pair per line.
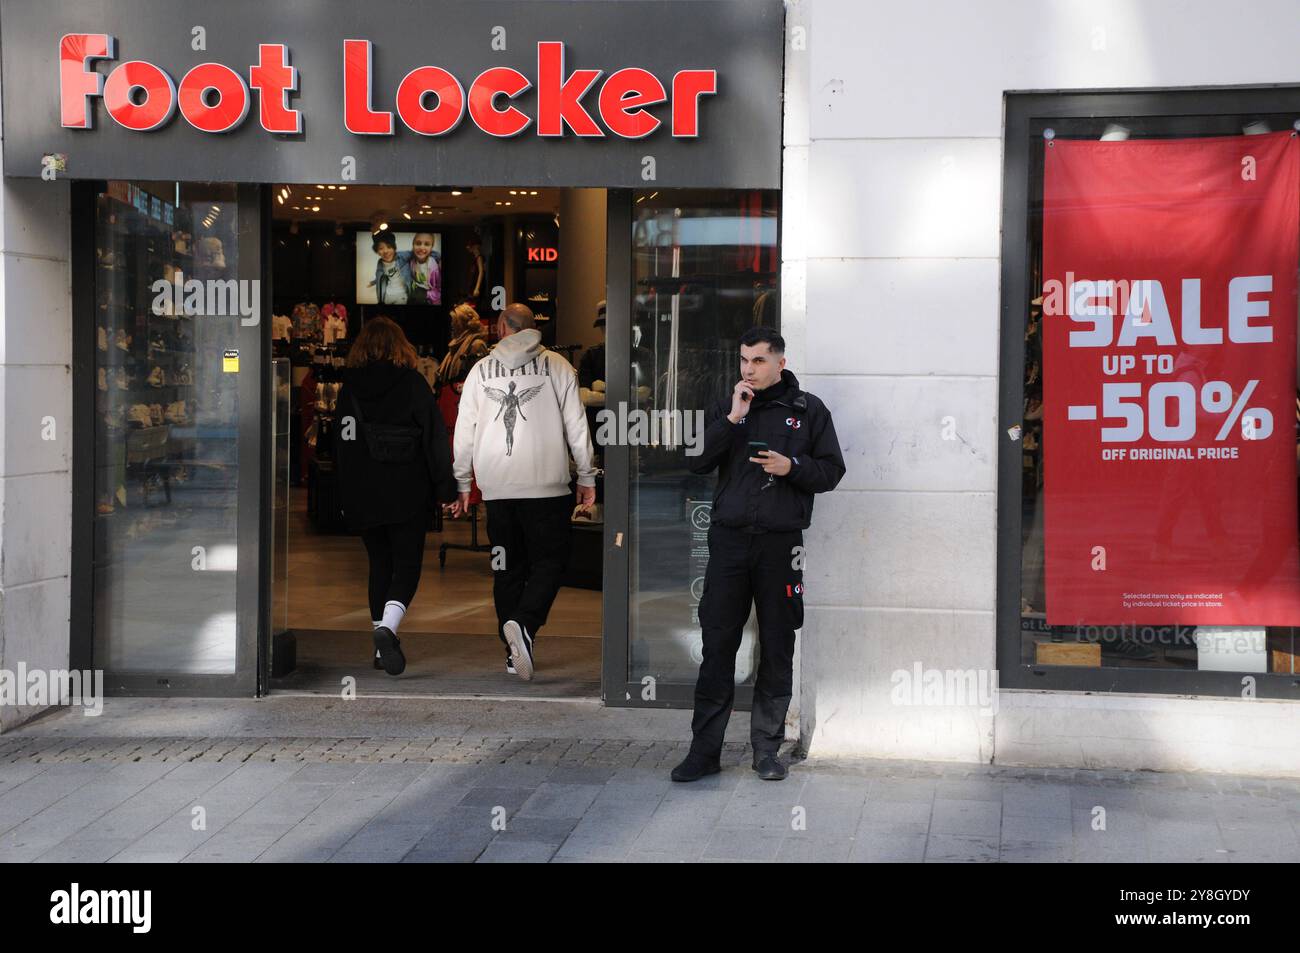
x,y
748,569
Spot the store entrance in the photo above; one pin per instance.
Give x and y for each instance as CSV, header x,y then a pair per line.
x,y
474,250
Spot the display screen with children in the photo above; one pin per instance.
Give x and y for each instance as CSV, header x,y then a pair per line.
x,y
399,267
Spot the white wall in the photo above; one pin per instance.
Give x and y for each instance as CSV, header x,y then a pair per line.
x,y
900,232
35,390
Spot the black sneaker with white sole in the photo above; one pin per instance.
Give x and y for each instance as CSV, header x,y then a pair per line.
x,y
521,649
510,665
390,650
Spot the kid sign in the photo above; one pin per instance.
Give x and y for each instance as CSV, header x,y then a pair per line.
x,y
1169,375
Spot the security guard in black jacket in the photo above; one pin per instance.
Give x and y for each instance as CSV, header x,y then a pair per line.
x,y
774,446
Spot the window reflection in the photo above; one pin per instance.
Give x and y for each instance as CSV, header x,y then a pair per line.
x,y
705,268
166,461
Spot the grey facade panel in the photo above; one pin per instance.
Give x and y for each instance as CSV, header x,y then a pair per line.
x,y
738,146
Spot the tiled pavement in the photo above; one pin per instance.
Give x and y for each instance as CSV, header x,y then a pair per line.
x,y
65,797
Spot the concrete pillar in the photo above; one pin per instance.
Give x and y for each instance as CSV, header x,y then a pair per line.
x,y
581,282
35,428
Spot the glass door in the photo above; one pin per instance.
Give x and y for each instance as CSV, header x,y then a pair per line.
x,y
174,482
704,268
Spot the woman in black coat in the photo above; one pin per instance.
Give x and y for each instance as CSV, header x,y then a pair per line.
x,y
394,467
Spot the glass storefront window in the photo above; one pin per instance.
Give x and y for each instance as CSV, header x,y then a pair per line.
x,y
1160,417
166,462
705,269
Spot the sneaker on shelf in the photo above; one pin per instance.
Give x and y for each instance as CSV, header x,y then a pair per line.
x,y
1127,649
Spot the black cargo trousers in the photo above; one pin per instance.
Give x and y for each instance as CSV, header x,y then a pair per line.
x,y
748,569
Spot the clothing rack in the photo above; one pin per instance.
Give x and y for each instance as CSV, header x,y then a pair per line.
x,y
473,546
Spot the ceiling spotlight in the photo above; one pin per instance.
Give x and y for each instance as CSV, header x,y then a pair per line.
x,y
343,188
534,192
383,226
315,208
331,187
406,215
513,192
280,198
457,192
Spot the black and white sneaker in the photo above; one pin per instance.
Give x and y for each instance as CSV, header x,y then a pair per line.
x,y
510,665
390,650
521,649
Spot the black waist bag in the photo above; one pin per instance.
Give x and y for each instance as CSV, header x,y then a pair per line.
x,y
389,443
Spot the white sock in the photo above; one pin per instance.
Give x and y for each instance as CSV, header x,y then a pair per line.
x,y
393,612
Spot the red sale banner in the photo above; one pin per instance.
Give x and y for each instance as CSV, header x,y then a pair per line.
x,y
1169,375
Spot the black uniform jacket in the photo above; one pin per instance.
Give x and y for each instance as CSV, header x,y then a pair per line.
x,y
793,423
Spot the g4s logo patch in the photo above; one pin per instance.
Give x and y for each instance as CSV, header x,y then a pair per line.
x,y
795,590
794,422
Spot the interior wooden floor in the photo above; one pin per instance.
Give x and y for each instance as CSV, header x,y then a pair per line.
x,y
449,632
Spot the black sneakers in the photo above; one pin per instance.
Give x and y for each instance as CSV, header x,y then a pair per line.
x,y
695,767
390,651
769,768
521,648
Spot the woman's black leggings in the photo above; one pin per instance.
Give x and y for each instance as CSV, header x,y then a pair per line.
x,y
396,554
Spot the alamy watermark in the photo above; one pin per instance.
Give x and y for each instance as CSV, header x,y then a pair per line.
x,y
635,427
217,297
40,687
945,688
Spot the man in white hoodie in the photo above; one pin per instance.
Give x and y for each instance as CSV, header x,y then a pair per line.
x,y
519,420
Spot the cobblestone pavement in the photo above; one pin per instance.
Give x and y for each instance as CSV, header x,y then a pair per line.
x,y
65,797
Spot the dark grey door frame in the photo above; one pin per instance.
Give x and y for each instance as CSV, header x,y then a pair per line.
x,y
616,586
618,690
253,442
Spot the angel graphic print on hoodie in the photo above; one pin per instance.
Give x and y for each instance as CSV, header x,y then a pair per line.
x,y
520,418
